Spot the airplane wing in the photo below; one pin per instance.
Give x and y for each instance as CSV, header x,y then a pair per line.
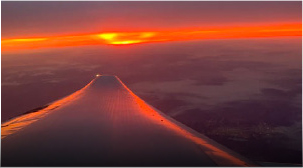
x,y
106,124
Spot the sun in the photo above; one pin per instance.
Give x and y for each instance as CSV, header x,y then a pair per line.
x,y
121,38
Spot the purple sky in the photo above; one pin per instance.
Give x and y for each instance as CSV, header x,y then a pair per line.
x,y
25,19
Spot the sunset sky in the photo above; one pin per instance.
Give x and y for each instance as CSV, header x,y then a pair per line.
x,y
200,62
32,25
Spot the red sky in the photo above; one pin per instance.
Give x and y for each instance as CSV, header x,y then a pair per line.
x,y
29,25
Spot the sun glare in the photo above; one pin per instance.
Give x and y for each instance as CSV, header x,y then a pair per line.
x,y
126,42
126,38
107,36
121,38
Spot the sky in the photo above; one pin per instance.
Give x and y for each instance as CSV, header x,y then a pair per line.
x,y
195,61
30,25
56,18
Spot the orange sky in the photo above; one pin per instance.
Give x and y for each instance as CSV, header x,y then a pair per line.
x,y
126,38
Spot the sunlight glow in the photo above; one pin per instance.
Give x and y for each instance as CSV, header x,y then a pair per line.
x,y
107,36
126,42
28,40
18,123
127,38
119,38
217,155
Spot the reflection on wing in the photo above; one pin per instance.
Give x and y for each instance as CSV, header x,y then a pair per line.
x,y
106,124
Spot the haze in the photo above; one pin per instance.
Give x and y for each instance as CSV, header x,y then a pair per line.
x,y
242,91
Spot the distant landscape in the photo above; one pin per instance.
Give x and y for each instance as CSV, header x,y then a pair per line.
x,y
249,101
229,70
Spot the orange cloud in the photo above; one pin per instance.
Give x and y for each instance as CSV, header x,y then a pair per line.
x,y
126,38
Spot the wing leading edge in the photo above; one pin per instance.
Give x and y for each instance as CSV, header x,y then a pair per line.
x,y
106,124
